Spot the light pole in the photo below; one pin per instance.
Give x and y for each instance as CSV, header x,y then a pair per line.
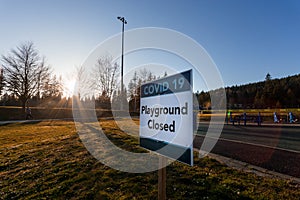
x,y
123,20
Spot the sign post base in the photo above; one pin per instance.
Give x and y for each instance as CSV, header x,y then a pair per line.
x,y
162,178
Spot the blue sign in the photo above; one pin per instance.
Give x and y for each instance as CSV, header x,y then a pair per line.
x,y
166,117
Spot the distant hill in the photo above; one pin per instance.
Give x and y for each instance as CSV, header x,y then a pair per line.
x,y
271,93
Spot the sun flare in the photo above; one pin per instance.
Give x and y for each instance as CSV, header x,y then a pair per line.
x,y
69,88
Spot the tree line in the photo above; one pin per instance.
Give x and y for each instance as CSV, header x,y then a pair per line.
x,y
270,93
26,79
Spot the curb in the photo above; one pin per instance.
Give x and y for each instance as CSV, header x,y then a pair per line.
x,y
31,121
246,167
251,124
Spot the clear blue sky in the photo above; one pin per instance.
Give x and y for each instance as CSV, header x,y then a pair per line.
x,y
246,38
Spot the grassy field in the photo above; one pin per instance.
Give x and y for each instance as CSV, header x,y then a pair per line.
x,y
47,160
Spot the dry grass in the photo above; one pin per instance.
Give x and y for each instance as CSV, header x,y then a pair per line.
x,y
48,161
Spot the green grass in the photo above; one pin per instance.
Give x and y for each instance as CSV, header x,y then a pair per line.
x,y
48,161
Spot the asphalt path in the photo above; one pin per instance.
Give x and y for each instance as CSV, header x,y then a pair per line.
x,y
272,146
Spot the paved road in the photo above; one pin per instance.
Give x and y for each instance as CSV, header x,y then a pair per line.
x,y
19,121
275,147
30,121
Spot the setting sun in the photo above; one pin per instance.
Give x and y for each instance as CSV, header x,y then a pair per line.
x,y
69,88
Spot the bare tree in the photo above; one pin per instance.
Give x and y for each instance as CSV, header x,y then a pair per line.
x,y
82,87
52,88
105,76
42,77
24,72
146,75
133,85
142,76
